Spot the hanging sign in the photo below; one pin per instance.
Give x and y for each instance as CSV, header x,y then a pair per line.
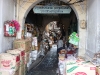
x,y
52,9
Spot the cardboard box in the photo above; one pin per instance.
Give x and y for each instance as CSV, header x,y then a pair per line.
x,y
6,72
21,70
16,72
80,68
25,69
22,56
27,57
97,70
22,43
15,52
19,51
8,61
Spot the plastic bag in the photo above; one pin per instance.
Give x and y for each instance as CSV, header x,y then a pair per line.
x,y
74,39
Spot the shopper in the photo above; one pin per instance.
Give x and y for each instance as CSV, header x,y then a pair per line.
x,y
60,45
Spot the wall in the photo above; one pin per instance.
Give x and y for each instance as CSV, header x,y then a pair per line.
x,y
6,13
93,28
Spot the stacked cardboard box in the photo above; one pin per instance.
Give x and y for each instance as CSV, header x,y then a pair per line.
x,y
80,68
22,43
97,70
26,45
9,64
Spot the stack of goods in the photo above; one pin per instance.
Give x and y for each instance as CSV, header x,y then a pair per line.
x,y
9,64
21,52
25,45
79,66
35,43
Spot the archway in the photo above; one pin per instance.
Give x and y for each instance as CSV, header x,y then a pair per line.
x,y
80,13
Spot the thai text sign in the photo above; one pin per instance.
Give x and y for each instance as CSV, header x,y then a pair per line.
x,y
52,9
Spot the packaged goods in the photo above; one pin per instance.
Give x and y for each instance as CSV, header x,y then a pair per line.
x,y
35,47
73,38
21,70
6,72
22,43
80,68
61,56
62,67
19,51
16,72
29,63
8,61
14,52
22,56
34,54
25,69
97,70
27,57
35,41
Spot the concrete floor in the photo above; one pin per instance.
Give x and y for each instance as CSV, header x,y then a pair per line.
x,y
47,66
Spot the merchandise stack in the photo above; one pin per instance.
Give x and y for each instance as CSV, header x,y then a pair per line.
x,y
76,66
9,64
25,45
21,53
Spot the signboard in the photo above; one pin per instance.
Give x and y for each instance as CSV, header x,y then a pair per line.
x,y
52,9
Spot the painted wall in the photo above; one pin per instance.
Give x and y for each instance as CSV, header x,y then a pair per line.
x,y
93,28
7,8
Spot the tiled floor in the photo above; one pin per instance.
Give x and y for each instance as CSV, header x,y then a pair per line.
x,y
48,66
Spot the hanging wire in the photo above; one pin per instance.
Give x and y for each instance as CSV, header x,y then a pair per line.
x,y
79,1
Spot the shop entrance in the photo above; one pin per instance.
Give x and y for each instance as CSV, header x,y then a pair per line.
x,y
39,24
46,29
78,9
